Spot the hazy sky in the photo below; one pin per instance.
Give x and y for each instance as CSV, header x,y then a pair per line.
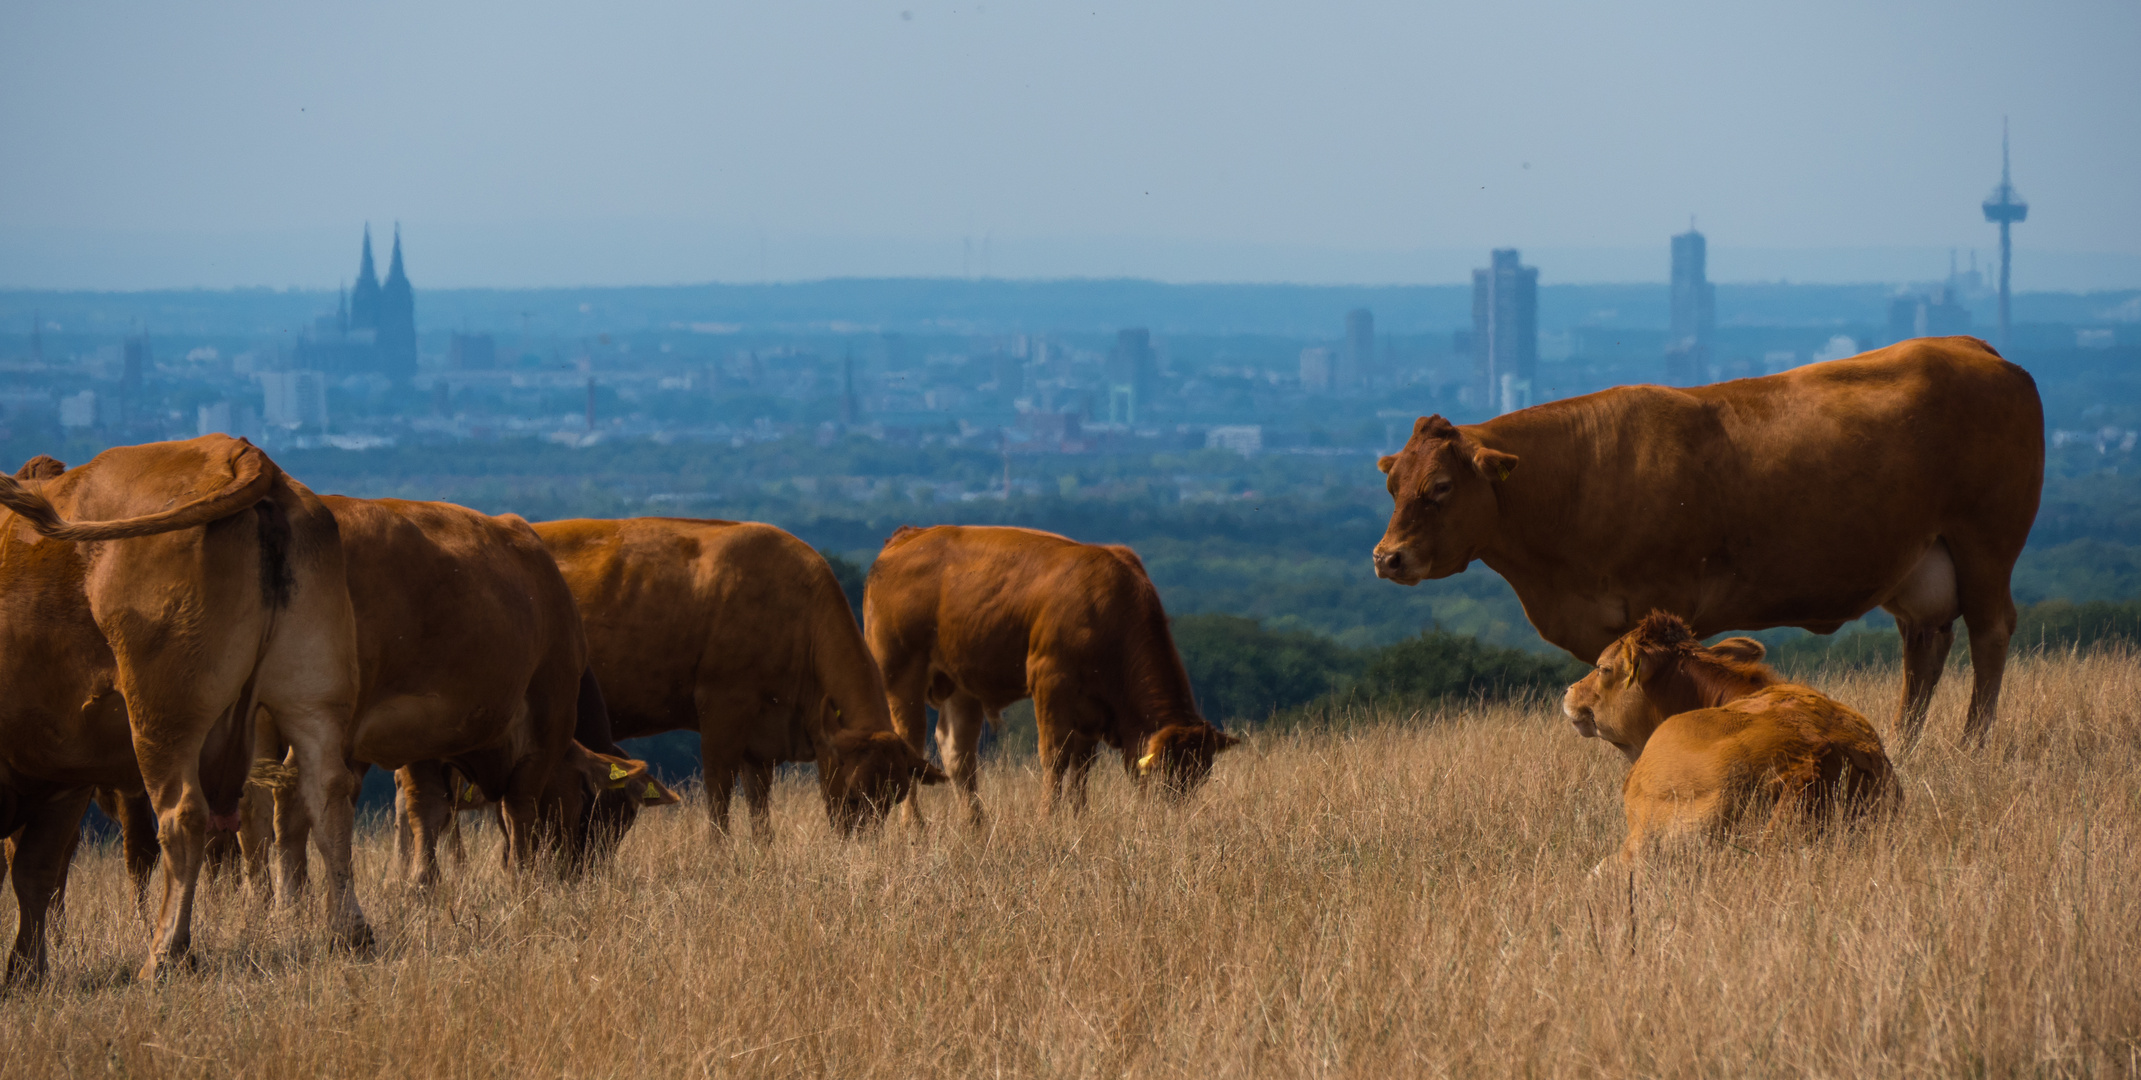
x,y
530,143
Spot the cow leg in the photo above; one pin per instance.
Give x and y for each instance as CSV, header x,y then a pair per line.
x,y
758,798
137,837
171,771
423,804
1988,608
1063,717
1925,606
256,836
293,831
719,767
1925,655
906,686
959,722
38,868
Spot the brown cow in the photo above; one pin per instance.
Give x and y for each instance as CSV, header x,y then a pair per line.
x,y
740,632
1905,479
1712,732
470,654
147,600
969,619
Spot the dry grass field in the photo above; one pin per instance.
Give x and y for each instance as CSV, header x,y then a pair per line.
x,y
1403,898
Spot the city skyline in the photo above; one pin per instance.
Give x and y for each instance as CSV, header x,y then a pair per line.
x,y
662,143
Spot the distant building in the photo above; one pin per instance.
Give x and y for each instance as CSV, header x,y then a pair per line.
x,y
1694,317
373,330
1317,369
1505,331
294,400
1357,359
134,363
1133,376
472,352
1936,313
1243,439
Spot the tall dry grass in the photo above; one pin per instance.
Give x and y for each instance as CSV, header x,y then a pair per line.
x,y
1401,899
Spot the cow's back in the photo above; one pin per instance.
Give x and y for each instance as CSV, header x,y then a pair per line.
x,y
673,604
981,601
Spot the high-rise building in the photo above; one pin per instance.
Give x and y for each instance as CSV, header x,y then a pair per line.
x,y
1505,331
1316,369
1694,316
1133,375
133,363
294,399
2004,207
1357,360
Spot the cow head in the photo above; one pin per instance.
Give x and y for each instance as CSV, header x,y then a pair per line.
x,y
1442,487
1179,756
612,789
863,774
1654,671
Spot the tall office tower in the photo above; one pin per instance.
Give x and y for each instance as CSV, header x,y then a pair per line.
x,y
397,320
133,363
1357,360
1687,346
1133,377
1505,331
364,299
2004,208
37,337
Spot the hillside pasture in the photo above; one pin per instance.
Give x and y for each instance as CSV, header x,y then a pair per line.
x,y
1406,894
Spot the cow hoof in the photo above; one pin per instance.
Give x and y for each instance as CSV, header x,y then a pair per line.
x,y
163,966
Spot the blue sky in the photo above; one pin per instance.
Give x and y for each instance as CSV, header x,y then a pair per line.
x,y
155,144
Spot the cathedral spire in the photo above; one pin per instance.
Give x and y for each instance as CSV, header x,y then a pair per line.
x,y
364,298
397,319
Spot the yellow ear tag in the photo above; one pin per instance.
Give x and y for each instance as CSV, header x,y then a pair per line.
x,y
618,772
1144,764
652,791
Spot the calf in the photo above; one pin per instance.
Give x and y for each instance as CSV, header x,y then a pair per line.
x,y
1711,732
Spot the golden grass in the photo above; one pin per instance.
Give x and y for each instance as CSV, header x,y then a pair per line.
x,y
1397,900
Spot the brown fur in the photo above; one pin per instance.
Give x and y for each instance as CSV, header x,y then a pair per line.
x,y
740,632
969,619
1906,479
470,654
1710,732
136,630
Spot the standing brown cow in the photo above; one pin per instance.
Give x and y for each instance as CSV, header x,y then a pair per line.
x,y
147,600
470,653
740,632
1904,479
970,619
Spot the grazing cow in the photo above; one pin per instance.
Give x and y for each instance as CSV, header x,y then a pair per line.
x,y
470,654
1712,732
148,600
1905,479
969,619
740,632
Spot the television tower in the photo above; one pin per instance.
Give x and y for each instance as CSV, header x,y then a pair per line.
x,y
2004,208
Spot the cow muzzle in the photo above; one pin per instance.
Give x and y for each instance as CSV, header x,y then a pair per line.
x,y
1582,718
1394,564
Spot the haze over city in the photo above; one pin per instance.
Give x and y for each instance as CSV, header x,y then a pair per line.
x,y
652,143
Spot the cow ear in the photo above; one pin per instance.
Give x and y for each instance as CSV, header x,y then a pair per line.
x,y
41,467
1743,649
1383,464
1227,742
1494,464
652,792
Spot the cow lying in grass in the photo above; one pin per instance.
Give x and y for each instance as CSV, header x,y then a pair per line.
x,y
1712,733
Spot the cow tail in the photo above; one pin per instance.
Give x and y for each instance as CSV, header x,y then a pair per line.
x,y
252,476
